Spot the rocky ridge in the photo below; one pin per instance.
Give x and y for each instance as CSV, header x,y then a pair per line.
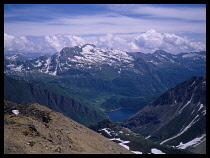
x,y
36,129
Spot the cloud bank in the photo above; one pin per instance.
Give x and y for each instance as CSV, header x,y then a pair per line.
x,y
58,42
146,42
153,40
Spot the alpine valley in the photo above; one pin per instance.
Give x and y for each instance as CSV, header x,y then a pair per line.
x,y
84,82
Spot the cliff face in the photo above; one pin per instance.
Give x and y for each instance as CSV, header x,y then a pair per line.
x,y
39,130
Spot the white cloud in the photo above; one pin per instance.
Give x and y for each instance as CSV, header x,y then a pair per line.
x,y
56,25
152,40
149,40
44,44
146,42
58,42
113,41
20,43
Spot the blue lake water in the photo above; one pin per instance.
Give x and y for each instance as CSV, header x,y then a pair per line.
x,y
121,114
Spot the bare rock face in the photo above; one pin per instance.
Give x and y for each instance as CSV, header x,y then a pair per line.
x,y
39,130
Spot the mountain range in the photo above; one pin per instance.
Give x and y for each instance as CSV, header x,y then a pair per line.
x,y
115,78
88,57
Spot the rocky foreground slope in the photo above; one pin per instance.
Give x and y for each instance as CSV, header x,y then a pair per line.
x,y
35,129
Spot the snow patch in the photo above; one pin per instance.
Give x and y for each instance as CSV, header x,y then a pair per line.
x,y
188,55
18,68
183,130
38,64
125,146
54,73
148,137
185,105
11,65
136,152
13,57
156,151
192,83
152,61
193,142
204,112
16,112
106,130
47,65
201,106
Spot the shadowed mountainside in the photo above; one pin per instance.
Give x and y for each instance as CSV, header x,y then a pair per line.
x,y
20,91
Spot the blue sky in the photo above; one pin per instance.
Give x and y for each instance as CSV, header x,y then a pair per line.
x,y
92,20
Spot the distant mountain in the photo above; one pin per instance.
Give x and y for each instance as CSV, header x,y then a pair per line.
x,y
35,129
18,57
23,92
109,78
28,55
79,57
177,117
87,57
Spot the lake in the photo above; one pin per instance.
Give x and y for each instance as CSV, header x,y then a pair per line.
x,y
121,114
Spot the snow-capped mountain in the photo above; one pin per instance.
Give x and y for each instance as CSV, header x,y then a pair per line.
x,y
177,117
90,57
81,57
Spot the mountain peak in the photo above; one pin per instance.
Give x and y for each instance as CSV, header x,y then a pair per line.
x,y
160,52
70,51
91,45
